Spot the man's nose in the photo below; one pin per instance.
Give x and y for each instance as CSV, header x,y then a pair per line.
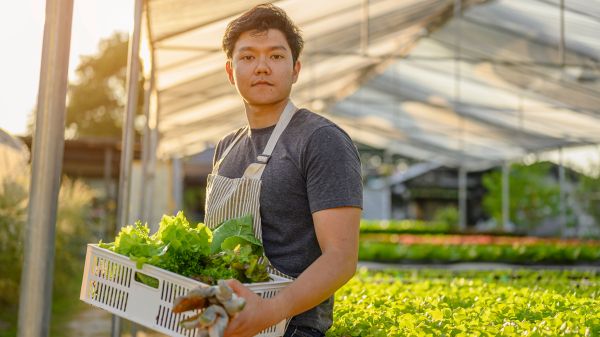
x,y
262,67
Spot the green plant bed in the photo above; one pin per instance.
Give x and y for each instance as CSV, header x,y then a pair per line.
x,y
517,254
451,303
403,226
422,227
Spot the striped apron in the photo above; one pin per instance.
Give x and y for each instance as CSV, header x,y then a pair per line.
x,y
228,198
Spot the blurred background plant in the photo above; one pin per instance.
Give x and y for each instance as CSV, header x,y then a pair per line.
x,y
533,195
74,220
448,217
588,196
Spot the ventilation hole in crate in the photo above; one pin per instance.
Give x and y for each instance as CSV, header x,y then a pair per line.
x,y
93,290
118,294
119,300
94,269
172,292
125,302
162,291
168,294
101,292
105,269
109,265
119,274
96,266
168,318
269,294
100,270
106,298
158,318
116,297
111,297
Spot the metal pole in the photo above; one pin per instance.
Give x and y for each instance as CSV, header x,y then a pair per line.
x,y
561,44
133,69
48,146
462,198
505,195
153,143
108,155
177,183
145,150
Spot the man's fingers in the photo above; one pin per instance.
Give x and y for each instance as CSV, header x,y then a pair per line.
x,y
238,288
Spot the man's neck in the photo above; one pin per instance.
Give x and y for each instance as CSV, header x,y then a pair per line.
x,y
263,116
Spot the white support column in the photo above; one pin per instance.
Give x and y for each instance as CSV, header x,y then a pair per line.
x,y
46,166
133,73
147,179
177,183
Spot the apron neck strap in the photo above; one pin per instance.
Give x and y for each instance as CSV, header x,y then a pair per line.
x,y
255,170
263,159
282,123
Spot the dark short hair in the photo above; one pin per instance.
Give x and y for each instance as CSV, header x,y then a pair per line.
x,y
262,18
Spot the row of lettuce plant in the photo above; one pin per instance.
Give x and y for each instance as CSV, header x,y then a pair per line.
x,y
404,226
448,253
459,303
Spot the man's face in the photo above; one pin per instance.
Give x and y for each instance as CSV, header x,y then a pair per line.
x,y
262,68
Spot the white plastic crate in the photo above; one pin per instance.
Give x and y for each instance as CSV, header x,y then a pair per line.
x,y
109,283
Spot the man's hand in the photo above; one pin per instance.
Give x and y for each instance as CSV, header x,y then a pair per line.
x,y
257,315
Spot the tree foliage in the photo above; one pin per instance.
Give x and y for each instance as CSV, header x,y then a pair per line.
x,y
588,194
534,195
74,223
97,100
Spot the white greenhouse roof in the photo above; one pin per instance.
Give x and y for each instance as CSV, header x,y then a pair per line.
x,y
470,92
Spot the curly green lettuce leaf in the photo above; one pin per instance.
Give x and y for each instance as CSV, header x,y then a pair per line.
x,y
177,232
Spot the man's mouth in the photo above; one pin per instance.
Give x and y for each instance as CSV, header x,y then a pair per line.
x,y
257,83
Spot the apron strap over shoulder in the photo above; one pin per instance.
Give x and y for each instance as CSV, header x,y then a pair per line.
x,y
282,123
255,170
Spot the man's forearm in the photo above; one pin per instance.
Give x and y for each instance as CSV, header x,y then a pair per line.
x,y
317,283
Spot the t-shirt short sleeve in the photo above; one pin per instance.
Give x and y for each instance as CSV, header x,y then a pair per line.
x,y
332,170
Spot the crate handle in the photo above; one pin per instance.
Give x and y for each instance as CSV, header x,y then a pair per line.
x,y
146,280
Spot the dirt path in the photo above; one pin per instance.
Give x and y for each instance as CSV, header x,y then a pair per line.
x,y
93,322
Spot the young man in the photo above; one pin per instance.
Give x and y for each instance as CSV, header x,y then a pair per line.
x,y
296,172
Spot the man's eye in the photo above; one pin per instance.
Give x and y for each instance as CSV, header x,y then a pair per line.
x,y
247,57
277,57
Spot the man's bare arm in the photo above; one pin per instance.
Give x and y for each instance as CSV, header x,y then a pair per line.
x,y
337,231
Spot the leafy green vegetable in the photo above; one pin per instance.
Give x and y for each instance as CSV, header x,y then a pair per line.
x,y
177,232
371,250
186,250
468,303
147,280
235,232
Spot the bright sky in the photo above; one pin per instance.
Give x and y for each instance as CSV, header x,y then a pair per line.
x,y
21,35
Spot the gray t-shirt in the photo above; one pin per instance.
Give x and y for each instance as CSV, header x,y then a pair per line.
x,y
314,166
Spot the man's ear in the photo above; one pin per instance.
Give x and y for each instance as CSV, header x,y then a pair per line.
x,y
229,70
296,72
